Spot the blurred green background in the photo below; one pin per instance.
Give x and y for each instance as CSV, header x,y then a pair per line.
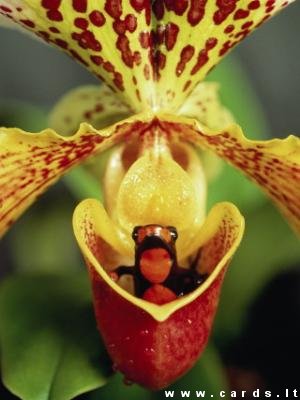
x,y
50,349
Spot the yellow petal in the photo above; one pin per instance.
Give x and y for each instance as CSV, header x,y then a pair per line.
x,y
219,239
31,162
204,104
273,164
152,53
94,104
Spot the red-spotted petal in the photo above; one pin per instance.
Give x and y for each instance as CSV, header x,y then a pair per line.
x,y
155,344
274,164
152,53
31,162
96,105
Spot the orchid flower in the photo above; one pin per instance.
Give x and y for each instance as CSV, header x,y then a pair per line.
x,y
154,111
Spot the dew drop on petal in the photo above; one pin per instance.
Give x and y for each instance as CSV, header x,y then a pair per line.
x,y
115,367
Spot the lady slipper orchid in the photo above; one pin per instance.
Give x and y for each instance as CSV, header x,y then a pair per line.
x,y
155,295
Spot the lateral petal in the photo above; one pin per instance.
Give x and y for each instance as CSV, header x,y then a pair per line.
x,y
31,162
273,164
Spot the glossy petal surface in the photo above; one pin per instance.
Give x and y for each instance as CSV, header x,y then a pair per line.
x,y
151,344
273,164
144,49
31,162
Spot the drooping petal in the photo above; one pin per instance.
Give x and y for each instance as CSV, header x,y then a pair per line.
x,y
273,164
94,104
151,344
30,162
153,53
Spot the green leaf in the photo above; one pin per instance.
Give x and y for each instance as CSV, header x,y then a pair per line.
x,y
54,247
232,185
268,247
116,389
19,114
207,375
83,184
238,95
50,348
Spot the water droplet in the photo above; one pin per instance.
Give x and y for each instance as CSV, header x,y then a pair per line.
x,y
148,351
127,338
115,367
111,345
189,321
130,362
144,332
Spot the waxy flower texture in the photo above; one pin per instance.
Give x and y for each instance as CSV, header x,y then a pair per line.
x,y
155,259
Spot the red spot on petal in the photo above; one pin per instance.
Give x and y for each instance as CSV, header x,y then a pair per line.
x,y
185,56
87,40
81,23
97,18
203,55
241,14
225,8
54,15
147,72
53,29
130,21
51,4
118,81
177,6
80,5
124,46
140,5
187,85
119,27
254,5
158,9
171,33
96,60
229,29
5,9
113,8
196,11
28,23
108,66
247,25
144,39
61,43
78,57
